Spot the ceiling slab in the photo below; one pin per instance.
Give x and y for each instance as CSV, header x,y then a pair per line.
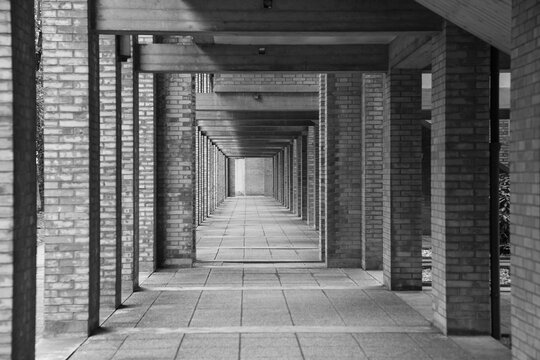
x,y
189,17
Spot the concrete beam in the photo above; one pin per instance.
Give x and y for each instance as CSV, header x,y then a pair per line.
x,y
176,58
253,123
312,115
216,16
266,88
248,102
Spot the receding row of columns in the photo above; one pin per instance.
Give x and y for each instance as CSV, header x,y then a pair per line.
x,y
212,170
79,187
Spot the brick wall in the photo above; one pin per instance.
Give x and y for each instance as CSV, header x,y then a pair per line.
x,y
72,211
344,166
266,79
372,170
17,183
460,182
108,122
175,169
402,180
295,177
525,177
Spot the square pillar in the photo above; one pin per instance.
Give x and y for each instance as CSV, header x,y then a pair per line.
x,y
402,180
147,170
460,183
322,194
72,168
18,181
110,124
129,278
524,179
344,170
311,178
303,203
295,177
372,171
176,170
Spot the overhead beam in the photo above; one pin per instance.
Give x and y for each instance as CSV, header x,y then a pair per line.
x,y
256,116
254,123
185,17
177,58
248,102
254,88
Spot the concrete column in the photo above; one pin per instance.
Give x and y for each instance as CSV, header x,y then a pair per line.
x,y
72,182
110,119
147,171
176,170
128,185
17,181
322,195
460,183
304,179
402,181
344,170
372,171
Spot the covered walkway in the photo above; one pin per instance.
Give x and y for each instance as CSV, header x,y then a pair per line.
x,y
273,310
256,229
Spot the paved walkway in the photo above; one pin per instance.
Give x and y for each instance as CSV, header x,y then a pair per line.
x,y
255,229
274,311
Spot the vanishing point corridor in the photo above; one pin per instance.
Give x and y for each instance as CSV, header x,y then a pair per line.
x,y
257,293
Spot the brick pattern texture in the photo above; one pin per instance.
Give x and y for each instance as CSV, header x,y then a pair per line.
x,y
266,79
402,180
175,170
296,177
147,167
17,181
344,170
322,195
460,183
303,203
128,232
72,181
525,180
372,170
110,277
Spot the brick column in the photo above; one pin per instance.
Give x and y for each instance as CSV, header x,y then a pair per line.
x,y
147,171
17,181
311,179
402,181
232,173
72,182
176,171
322,195
525,176
304,179
460,182
295,171
344,170
128,234
286,177
110,250
372,171
291,177
204,148
198,176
